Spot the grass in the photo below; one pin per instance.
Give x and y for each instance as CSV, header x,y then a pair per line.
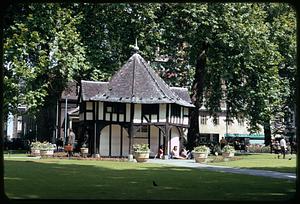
x,y
263,161
83,179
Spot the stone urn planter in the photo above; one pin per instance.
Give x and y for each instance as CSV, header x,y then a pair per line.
x,y
228,151
84,151
47,153
35,152
228,154
200,153
200,157
141,152
141,156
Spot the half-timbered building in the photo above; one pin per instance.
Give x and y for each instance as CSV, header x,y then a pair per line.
x,y
135,106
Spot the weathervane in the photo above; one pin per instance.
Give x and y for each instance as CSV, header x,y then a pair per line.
x,y
136,48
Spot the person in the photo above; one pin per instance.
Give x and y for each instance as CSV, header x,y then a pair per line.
x,y
71,141
293,147
184,154
175,153
223,142
283,147
160,152
277,148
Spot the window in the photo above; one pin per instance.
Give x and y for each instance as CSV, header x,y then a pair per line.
x,y
150,109
229,121
175,110
216,120
203,119
185,112
142,132
241,122
115,108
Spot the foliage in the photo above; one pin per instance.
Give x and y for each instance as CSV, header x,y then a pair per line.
x,y
141,148
36,145
202,149
256,148
42,51
251,60
228,149
42,146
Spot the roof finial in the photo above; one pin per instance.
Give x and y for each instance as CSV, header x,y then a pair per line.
x,y
136,48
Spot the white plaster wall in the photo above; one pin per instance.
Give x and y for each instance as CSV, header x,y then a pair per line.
x,y
137,113
162,112
115,140
114,117
89,105
89,115
174,139
153,140
127,112
220,129
100,110
104,141
125,143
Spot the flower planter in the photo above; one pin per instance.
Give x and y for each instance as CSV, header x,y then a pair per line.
x,y
228,154
35,152
141,156
200,157
47,152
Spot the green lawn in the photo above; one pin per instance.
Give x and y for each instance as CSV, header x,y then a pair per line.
x,y
263,161
84,179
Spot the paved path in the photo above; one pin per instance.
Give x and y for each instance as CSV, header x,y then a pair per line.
x,y
191,163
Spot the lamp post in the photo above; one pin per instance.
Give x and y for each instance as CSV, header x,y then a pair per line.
x,y
66,115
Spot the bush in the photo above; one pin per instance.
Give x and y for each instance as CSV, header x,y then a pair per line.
x,y
228,149
201,149
141,148
256,148
266,149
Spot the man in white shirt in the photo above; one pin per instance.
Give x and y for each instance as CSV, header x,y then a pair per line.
x,y
283,146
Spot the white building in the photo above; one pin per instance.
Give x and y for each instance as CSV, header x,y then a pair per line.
x,y
230,130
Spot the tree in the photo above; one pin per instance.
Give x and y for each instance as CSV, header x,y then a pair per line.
x,y
41,53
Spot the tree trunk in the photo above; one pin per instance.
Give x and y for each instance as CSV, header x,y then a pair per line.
x,y
197,96
267,132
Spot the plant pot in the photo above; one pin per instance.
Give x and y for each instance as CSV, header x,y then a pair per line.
x,y
141,156
227,154
84,151
35,152
200,157
47,152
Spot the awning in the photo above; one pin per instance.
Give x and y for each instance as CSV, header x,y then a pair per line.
x,y
251,136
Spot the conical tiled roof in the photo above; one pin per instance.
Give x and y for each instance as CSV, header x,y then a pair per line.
x,y
136,82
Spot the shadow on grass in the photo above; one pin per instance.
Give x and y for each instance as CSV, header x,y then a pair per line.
x,y
123,180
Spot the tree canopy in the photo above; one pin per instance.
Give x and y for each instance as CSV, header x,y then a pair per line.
x,y
250,64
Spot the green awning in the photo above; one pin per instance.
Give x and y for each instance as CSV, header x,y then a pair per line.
x,y
250,136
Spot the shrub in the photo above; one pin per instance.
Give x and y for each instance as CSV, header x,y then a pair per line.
x,y
266,149
228,149
141,148
42,146
201,149
255,148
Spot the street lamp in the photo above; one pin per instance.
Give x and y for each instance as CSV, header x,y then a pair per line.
x,y
66,115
